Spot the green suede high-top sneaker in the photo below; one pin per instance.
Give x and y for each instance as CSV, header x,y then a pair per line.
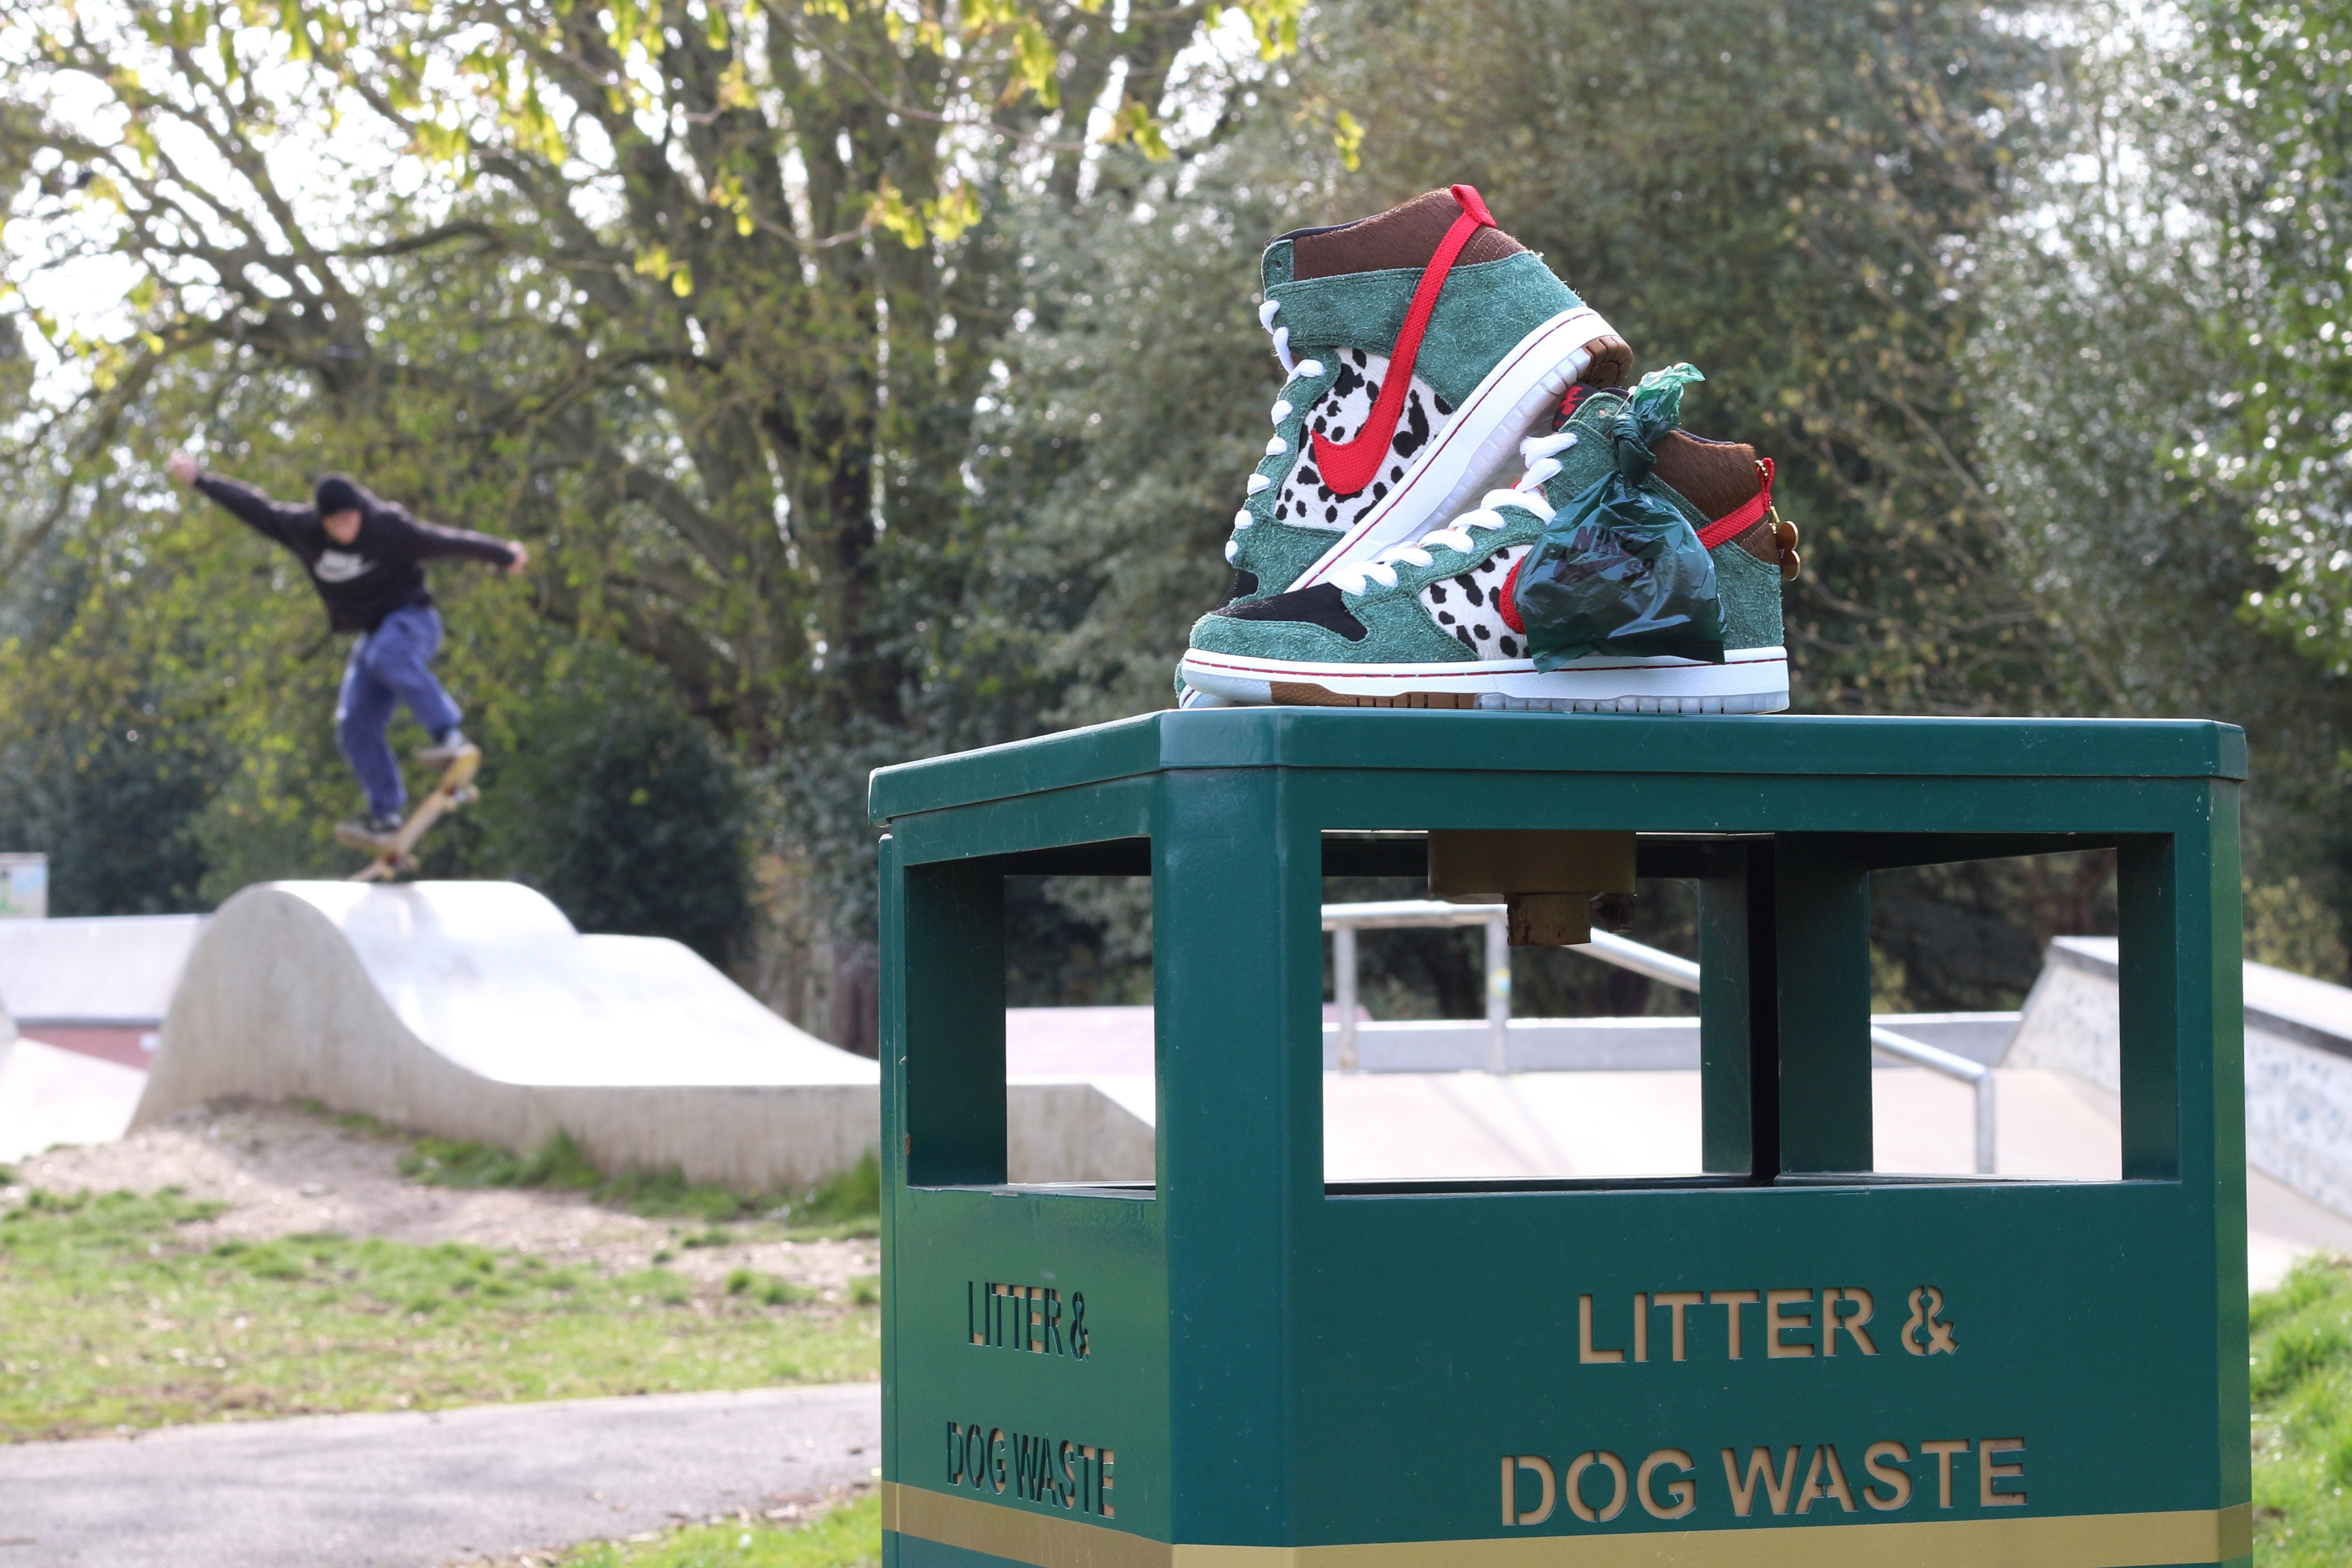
x,y
1421,344
1435,623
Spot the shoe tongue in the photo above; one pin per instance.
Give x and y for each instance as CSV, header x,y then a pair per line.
x,y
1577,398
1276,266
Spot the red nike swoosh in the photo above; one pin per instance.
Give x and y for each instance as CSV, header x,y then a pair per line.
x,y
1348,467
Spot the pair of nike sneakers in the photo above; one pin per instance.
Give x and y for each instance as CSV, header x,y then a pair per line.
x,y
1429,356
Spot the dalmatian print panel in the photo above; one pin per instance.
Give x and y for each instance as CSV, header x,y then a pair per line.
x,y
1468,608
1305,501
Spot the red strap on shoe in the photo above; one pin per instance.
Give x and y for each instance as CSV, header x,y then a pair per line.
x,y
1507,597
1731,525
1349,469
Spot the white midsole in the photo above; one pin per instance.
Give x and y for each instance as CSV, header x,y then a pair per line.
x,y
1482,437
1744,672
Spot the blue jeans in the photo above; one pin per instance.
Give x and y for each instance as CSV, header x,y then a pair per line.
x,y
390,666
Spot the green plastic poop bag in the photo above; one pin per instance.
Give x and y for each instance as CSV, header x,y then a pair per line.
x,y
1619,570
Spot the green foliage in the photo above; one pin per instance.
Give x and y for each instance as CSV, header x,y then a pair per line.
x,y
2104,438
622,808
2267,85
849,1536
2302,1379
771,1291
851,1197
1789,199
2288,926
118,1315
731,417
847,1204
116,810
558,1163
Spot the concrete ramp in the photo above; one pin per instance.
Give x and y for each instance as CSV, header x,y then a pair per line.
x,y
473,1010
2298,1053
94,970
49,1096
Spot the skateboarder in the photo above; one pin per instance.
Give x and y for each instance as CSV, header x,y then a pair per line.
x,y
366,559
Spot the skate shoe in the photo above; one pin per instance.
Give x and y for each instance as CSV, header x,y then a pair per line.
x,y
447,750
373,833
1436,623
1421,344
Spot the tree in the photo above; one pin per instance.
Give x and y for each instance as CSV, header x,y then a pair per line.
x,y
2261,96
701,301
1792,198
2110,396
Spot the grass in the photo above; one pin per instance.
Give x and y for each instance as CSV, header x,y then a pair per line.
x,y
849,1536
116,1317
848,1205
2302,1376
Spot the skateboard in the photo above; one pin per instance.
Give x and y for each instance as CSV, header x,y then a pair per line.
x,y
455,789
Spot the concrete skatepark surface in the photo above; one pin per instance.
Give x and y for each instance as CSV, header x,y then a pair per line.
x,y
96,984
422,1489
473,1010
49,1096
2298,1057
114,969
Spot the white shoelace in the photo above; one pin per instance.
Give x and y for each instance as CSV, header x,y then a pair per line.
x,y
1283,409
1540,453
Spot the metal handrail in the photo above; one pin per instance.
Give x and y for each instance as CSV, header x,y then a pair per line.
x,y
1344,921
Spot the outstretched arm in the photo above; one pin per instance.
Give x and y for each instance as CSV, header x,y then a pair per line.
x,y
251,506
433,542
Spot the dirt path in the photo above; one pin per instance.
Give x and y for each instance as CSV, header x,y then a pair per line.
x,y
284,1171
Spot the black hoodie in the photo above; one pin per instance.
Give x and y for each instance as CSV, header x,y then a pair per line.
x,y
380,571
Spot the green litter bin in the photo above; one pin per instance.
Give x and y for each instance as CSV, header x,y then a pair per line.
x,y
1787,1359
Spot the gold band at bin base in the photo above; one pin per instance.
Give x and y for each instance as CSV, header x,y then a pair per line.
x,y
2080,1541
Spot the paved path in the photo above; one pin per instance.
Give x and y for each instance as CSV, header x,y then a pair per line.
x,y
419,1491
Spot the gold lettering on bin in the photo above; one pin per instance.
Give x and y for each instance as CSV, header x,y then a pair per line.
x,y
1731,1302
1776,1324
1684,1491
1898,1482
1035,1318
1678,1301
1793,1330
1987,1472
1547,1485
1944,1448
1834,1491
1585,1354
1667,1487
1927,1302
1573,1487
1034,1467
1835,1323
1760,1468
